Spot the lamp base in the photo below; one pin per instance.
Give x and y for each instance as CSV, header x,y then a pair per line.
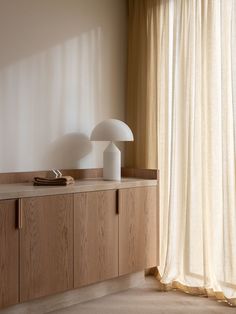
x,y
112,163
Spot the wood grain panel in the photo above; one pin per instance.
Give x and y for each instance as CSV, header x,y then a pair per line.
x,y
9,254
140,173
137,229
158,224
46,246
95,237
24,177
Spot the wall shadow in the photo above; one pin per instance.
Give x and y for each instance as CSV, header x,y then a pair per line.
x,y
62,70
67,151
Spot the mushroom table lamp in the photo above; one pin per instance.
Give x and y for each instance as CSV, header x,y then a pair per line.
x,y
112,130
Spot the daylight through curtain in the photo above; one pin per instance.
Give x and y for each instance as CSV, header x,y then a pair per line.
x,y
194,44
196,144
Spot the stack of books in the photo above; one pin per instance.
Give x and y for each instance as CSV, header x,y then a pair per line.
x,y
63,180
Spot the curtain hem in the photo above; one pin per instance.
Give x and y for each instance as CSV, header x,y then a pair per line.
x,y
196,291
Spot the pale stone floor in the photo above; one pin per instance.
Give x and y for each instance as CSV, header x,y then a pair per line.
x,y
148,299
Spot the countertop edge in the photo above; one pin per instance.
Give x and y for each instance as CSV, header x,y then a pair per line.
x,y
21,190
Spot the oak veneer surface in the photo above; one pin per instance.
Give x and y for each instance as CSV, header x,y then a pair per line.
x,y
9,252
95,237
20,190
24,177
140,173
137,229
46,246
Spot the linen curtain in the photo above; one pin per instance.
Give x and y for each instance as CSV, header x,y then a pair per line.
x,y
191,75
141,86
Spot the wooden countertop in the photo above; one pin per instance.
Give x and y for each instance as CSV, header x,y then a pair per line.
x,y
19,190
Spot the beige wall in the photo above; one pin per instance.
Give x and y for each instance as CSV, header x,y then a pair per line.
x,y
62,70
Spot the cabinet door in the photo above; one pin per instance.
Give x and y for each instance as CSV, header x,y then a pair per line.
x,y
137,229
95,237
9,253
46,246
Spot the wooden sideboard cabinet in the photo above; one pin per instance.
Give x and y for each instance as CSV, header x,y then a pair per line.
x,y
55,239
46,246
102,249
95,237
137,229
9,253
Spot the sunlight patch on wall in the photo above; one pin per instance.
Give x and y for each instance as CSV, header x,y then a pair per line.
x,y
53,99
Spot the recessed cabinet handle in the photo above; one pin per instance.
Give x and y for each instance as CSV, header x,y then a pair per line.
x,y
19,214
117,202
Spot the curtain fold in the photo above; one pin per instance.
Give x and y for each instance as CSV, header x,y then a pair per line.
x,y
141,81
182,70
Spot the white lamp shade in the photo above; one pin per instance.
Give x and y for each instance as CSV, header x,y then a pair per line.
x,y
112,130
